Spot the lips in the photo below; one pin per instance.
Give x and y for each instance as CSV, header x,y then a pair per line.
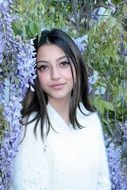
x,y
57,85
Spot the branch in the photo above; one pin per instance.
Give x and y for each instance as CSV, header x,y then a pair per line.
x,y
74,7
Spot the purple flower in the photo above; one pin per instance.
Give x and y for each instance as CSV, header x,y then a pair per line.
x,y
81,42
118,178
125,53
9,145
17,59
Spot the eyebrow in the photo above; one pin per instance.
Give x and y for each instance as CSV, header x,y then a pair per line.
x,y
62,57
43,61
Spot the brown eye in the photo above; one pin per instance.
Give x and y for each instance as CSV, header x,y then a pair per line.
x,y
43,68
64,64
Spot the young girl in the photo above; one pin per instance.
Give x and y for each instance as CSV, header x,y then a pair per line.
x,y
63,146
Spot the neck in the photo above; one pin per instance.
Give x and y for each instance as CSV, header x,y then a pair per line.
x,y
62,108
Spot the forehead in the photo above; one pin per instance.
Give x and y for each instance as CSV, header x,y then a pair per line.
x,y
50,51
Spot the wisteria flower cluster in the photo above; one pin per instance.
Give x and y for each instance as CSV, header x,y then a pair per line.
x,y
81,42
118,177
16,73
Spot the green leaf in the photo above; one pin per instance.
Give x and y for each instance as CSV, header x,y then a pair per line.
x,y
125,9
99,105
108,105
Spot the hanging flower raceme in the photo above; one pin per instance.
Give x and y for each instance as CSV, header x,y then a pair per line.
x,y
16,73
114,155
9,146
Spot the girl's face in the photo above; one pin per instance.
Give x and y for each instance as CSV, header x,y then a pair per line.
x,y
54,72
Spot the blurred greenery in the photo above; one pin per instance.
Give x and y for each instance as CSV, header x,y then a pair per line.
x,y
104,55
32,16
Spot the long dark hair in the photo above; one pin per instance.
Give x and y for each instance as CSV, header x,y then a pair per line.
x,y
37,101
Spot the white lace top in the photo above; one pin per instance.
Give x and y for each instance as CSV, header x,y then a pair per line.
x,y
69,160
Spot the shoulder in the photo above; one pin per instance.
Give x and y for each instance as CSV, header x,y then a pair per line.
x,y
87,118
85,114
28,125
92,127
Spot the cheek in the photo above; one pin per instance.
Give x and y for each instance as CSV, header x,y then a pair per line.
x,y
68,74
42,79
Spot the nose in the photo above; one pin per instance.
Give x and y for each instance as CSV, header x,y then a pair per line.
x,y
55,73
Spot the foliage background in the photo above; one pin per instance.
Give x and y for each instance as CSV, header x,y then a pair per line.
x,y
102,37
